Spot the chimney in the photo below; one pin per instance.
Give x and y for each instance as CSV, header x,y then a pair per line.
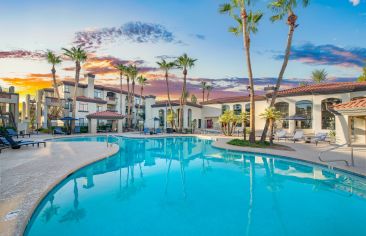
x,y
90,92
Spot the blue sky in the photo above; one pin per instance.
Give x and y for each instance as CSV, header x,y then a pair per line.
x,y
330,35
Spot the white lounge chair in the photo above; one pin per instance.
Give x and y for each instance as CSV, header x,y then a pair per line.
x,y
281,134
320,137
299,134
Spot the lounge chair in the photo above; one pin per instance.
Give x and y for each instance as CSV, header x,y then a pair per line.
x,y
320,137
158,131
12,133
297,136
281,134
77,130
146,131
9,141
58,130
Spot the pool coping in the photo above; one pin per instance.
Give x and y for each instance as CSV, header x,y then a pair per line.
x,y
214,144
59,180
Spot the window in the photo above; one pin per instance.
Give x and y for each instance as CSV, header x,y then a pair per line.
x,y
328,118
283,107
67,105
225,108
247,107
99,108
66,89
304,109
199,123
97,93
82,122
83,107
189,117
237,109
161,118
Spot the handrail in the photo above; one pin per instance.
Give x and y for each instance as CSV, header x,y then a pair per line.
x,y
334,148
110,143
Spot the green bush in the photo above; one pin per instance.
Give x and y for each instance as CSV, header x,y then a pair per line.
x,y
245,143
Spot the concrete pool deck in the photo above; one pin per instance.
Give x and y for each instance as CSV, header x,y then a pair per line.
x,y
27,174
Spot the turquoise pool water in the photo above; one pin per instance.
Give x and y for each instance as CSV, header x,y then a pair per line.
x,y
184,186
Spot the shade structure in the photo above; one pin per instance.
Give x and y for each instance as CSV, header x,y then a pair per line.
x,y
67,118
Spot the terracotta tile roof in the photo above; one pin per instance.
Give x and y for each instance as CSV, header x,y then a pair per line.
x,y
324,88
233,99
92,100
355,104
106,115
174,104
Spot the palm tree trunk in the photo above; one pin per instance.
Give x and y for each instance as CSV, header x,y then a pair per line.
x,y
250,75
182,100
208,95
271,131
55,89
292,27
77,77
168,92
132,101
138,109
121,93
128,101
203,94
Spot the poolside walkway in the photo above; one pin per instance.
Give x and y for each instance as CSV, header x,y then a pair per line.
x,y
27,174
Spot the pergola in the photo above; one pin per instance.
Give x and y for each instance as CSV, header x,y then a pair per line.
x,y
352,121
116,118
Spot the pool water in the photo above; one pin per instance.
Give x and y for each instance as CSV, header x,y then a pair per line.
x,y
184,186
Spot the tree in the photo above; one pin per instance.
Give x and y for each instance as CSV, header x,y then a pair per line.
x,y
244,118
78,55
271,114
166,66
131,75
122,71
184,62
209,89
171,116
246,25
228,122
319,76
142,81
281,8
203,87
362,78
193,99
55,60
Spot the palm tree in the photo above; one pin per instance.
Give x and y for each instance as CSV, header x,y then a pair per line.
x,y
55,60
166,66
122,70
244,117
281,8
319,76
184,62
246,24
209,89
78,55
271,114
203,87
142,81
131,75
362,78
193,99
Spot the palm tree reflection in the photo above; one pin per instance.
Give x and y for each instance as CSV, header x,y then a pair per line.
x,y
50,211
74,214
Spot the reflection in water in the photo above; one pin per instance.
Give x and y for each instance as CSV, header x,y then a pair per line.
x,y
223,192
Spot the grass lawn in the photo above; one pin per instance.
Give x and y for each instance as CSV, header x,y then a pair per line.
x,y
258,144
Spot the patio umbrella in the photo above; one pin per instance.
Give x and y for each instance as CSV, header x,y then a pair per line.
x,y
67,120
295,118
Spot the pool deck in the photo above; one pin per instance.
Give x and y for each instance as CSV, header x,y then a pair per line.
x,y
27,174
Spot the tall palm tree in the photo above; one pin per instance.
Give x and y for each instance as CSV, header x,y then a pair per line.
x,y
281,8
55,60
246,25
166,66
132,74
184,62
244,117
142,81
209,89
203,87
271,114
78,55
319,76
362,78
122,71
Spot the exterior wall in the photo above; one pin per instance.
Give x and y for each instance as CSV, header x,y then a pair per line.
x,y
11,99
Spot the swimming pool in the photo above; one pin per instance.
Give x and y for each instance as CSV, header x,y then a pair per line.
x,y
184,186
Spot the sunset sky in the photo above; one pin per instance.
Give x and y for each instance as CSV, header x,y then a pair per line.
x,y
331,35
